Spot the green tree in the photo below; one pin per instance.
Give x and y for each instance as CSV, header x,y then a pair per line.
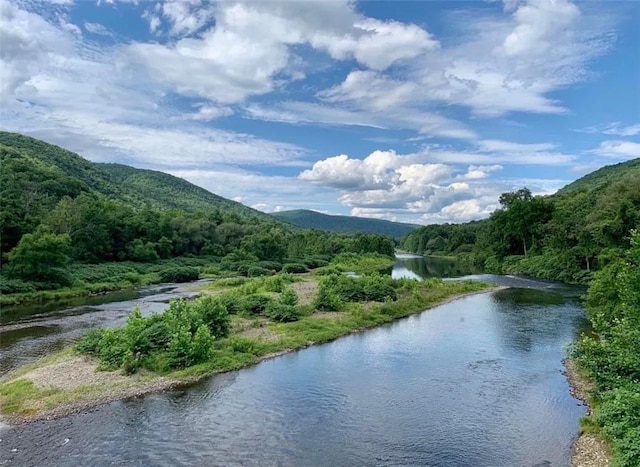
x,y
40,256
522,217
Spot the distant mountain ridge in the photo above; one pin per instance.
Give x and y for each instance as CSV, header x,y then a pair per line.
x,y
343,224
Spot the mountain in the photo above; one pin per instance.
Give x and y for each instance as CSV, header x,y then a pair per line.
x,y
120,182
343,224
36,175
602,178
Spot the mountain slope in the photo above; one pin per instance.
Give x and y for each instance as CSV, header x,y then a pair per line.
x,y
168,192
117,181
35,176
602,178
343,224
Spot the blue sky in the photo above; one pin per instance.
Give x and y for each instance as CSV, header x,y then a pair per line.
x,y
413,111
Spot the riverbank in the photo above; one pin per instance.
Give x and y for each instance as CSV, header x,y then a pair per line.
x,y
66,382
589,450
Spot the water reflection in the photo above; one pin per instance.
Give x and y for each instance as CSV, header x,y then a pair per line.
x,y
422,267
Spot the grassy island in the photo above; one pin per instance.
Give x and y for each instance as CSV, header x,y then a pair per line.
x,y
234,323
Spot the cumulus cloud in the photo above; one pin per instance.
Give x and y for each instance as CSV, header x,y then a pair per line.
x,y
28,42
388,185
499,64
248,48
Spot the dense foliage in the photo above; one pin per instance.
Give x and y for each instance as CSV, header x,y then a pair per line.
x,y
180,337
58,209
343,224
611,357
566,236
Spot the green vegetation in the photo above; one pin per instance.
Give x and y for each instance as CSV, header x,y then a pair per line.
x,y
182,336
566,236
244,321
343,224
65,220
611,358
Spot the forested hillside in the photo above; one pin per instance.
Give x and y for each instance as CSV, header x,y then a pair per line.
x,y
343,224
57,208
565,236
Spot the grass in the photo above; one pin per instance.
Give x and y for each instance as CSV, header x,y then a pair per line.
x,y
20,397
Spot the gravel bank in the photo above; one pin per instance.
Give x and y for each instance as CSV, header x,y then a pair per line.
x,y
589,450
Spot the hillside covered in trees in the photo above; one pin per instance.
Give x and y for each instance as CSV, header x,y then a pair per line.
x,y
57,208
343,224
566,236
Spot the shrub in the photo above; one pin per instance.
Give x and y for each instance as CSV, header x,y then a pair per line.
x,y
257,271
313,262
294,268
181,336
214,314
112,348
8,286
282,313
289,297
378,289
254,304
179,274
232,301
270,265
90,342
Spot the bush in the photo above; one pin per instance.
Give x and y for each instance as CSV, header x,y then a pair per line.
x,y
378,289
314,263
294,268
90,342
254,304
182,336
8,286
257,271
270,265
214,314
179,274
282,313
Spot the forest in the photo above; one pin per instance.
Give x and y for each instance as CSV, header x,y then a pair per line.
x,y
71,225
566,236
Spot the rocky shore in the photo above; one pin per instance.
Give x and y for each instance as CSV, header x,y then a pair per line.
x,y
589,450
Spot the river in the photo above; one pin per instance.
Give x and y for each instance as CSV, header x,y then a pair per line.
x,y
475,382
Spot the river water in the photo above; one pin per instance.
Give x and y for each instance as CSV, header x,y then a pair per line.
x,y
475,382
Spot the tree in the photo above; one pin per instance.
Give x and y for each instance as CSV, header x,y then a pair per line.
x,y
40,256
522,217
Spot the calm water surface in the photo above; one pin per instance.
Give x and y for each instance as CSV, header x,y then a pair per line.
x,y
476,382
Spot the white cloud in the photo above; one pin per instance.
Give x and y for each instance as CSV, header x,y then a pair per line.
x,y
538,24
207,113
378,44
477,172
427,123
28,42
97,28
385,185
615,128
618,148
346,173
